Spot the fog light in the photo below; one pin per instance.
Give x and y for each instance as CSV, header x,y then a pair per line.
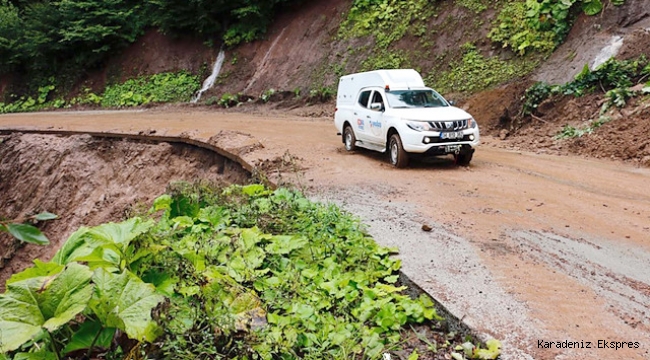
x,y
427,140
471,138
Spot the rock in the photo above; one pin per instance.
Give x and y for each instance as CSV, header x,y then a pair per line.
x,y
646,161
636,88
503,134
426,228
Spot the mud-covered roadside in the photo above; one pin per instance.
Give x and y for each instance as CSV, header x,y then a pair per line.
x,y
88,181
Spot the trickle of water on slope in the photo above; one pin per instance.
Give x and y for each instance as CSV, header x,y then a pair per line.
x,y
608,51
264,61
209,82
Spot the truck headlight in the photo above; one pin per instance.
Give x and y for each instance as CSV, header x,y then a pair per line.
x,y
419,125
471,123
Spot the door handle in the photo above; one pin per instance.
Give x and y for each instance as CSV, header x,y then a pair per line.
x,y
367,116
355,114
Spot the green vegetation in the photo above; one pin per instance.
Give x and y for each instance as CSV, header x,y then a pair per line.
x,y
55,308
25,232
385,59
476,6
539,25
613,78
164,87
228,100
159,88
476,72
40,39
240,272
266,95
386,20
321,94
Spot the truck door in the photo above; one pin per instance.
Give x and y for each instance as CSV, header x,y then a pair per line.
x,y
375,119
361,115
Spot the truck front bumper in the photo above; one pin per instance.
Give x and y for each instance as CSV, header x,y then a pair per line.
x,y
431,142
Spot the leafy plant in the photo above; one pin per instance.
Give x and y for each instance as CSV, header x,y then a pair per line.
x,y
228,100
43,304
26,232
471,351
614,77
163,87
386,20
266,95
276,274
476,72
475,6
321,94
539,25
247,272
385,59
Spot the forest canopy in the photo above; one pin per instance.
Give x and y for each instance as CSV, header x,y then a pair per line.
x,y
48,37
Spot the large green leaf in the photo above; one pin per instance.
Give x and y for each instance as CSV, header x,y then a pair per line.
x,y
125,302
75,246
592,7
113,237
45,302
120,233
27,233
89,332
41,355
39,269
45,216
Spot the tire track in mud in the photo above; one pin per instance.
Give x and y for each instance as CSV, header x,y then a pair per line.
x,y
616,273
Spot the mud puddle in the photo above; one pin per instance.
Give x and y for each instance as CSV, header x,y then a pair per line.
x,y
88,181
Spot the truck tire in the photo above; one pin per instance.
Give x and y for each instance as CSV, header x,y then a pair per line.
x,y
349,139
463,159
396,154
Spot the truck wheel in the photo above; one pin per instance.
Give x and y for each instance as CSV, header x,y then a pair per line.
x,y
463,159
349,139
398,157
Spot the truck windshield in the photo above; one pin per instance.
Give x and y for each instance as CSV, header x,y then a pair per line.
x,y
414,99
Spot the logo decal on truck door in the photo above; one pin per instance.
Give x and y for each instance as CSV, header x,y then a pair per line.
x,y
360,124
375,127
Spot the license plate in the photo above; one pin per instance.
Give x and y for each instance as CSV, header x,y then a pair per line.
x,y
452,149
452,135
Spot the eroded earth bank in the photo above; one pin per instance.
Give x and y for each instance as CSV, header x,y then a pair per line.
x,y
88,181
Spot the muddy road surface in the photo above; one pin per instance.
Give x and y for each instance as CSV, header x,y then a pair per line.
x,y
527,248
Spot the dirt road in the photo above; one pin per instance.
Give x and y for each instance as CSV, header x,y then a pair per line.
x,y
525,248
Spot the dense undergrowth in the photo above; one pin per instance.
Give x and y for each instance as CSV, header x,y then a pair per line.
x,y
158,88
475,72
234,273
540,25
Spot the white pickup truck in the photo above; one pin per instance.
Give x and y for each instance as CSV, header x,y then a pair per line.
x,y
392,110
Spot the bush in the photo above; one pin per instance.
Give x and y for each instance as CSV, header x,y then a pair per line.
x,y
164,87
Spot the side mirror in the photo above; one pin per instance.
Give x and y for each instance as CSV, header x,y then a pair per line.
x,y
452,102
377,106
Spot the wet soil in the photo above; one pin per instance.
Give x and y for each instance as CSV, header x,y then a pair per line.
x,y
88,181
524,247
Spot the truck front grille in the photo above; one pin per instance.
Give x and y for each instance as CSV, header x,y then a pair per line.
x,y
449,125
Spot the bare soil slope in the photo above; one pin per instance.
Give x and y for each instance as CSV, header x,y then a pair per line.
x,y
88,181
